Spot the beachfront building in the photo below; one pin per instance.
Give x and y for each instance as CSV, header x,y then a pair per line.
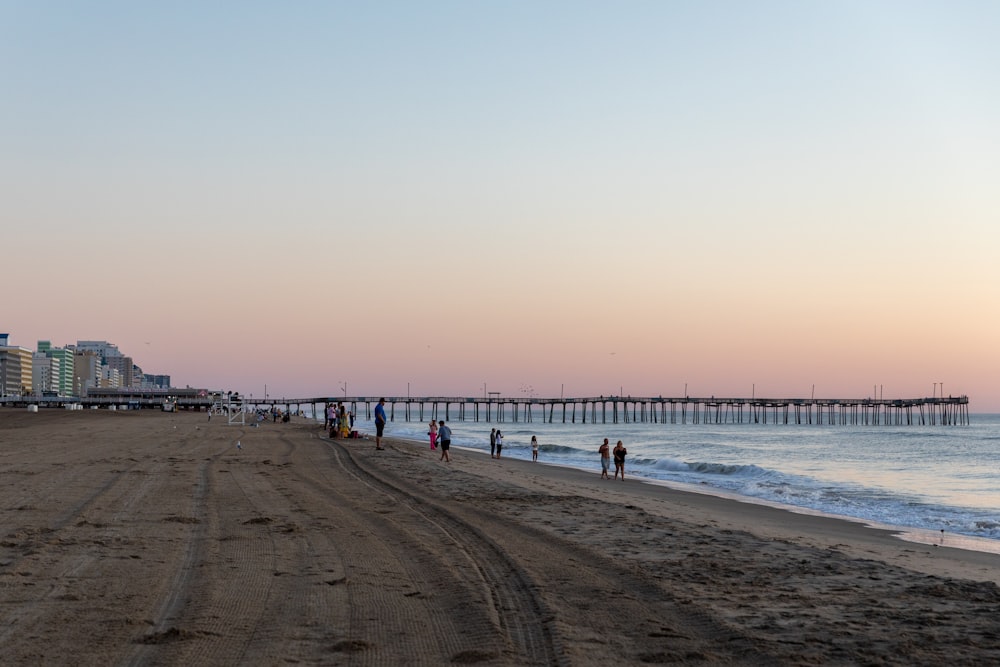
x,y
155,381
62,380
87,372
110,377
44,374
10,373
124,367
102,348
120,369
15,369
64,384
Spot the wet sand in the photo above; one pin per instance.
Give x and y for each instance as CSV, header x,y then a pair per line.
x,y
148,538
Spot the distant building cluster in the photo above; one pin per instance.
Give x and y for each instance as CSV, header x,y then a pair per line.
x,y
72,370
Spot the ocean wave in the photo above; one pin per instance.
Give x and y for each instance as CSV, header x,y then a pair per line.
x,y
708,468
671,465
642,461
559,449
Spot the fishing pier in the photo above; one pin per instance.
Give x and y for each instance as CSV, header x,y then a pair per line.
x,y
950,411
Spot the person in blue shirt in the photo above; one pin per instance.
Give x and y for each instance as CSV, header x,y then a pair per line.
x,y
379,423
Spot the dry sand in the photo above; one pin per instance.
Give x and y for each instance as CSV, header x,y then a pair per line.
x,y
141,538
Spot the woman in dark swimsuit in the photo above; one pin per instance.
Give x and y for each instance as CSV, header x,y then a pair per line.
x,y
619,453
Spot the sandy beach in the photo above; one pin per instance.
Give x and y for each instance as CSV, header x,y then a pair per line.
x,y
147,538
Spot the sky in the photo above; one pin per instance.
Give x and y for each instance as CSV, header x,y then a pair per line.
x,y
558,198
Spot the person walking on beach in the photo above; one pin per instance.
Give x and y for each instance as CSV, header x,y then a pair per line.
x,y
534,448
493,443
379,423
432,431
444,435
620,453
499,442
605,452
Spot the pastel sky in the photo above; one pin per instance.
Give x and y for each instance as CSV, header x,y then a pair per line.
x,y
528,197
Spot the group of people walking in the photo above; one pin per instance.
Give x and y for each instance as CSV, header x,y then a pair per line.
x,y
440,434
606,453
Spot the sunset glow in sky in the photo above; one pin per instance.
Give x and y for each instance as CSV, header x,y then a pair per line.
x,y
539,197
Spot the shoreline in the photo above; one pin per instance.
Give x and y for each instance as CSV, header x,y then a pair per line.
x,y
888,479
925,537
773,520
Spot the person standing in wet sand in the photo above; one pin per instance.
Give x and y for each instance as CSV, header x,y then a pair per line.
x,y
534,448
379,423
605,452
620,452
499,442
342,422
444,437
432,431
493,443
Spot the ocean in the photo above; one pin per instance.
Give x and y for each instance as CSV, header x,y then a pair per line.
x,y
937,484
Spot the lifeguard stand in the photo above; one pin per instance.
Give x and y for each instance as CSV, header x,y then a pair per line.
x,y
218,406
234,408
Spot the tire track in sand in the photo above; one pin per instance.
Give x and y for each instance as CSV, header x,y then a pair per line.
x,y
602,605
521,616
179,589
44,557
393,594
253,589
221,588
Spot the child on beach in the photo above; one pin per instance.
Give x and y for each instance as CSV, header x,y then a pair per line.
x,y
534,448
605,452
